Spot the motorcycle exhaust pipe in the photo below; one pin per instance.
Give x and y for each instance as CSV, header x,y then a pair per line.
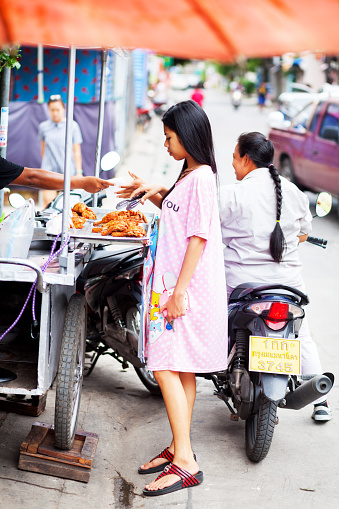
x,y
308,392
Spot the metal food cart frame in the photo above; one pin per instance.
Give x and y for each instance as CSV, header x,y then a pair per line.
x,y
62,313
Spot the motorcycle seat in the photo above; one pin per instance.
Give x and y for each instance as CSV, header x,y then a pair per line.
x,y
103,259
240,291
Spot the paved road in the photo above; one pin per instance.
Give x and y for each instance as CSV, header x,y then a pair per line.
x,y
301,469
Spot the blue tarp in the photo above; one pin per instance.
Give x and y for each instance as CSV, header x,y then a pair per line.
x,y
24,82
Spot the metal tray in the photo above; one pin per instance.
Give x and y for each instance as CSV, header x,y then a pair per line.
x,y
85,234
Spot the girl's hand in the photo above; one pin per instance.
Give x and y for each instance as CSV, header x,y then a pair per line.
x,y
175,307
138,186
133,188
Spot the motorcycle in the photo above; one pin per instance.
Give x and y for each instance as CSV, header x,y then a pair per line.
x,y
263,370
112,285
236,98
144,115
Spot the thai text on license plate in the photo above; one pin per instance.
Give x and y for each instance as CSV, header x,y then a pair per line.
x,y
274,355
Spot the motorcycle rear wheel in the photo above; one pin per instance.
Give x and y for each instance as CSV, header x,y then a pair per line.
x,y
259,430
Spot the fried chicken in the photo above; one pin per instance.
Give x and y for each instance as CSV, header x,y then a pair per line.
x,y
79,208
120,228
88,214
131,215
78,222
83,211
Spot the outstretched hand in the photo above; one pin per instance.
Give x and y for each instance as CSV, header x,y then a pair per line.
x,y
95,184
136,187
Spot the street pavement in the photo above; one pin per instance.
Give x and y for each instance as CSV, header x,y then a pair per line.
x,y
301,469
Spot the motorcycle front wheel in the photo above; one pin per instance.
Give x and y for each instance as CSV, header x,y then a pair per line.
x,y
70,373
259,430
145,376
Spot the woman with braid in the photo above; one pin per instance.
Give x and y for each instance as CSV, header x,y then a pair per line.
x,y
263,219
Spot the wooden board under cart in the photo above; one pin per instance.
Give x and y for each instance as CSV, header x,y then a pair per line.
x,y
38,454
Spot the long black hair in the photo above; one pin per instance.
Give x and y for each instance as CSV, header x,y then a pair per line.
x,y
190,123
260,151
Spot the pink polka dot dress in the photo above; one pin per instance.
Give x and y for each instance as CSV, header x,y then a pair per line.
x,y
198,342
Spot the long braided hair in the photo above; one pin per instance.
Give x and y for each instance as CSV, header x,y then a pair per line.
x,y
260,151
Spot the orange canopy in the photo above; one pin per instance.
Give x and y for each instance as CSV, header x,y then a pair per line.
x,y
217,29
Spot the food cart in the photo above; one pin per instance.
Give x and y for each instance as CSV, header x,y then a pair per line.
x,y
53,342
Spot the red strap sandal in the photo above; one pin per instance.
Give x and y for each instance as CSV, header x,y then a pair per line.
x,y
166,454
187,480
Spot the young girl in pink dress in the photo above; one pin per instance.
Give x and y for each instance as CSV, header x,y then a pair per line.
x,y
189,259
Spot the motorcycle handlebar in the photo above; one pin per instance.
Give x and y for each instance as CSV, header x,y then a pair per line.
x,y
317,242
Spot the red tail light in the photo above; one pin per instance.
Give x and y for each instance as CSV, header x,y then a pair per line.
x,y
278,311
277,315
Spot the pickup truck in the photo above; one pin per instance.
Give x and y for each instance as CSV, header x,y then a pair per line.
x,y
307,149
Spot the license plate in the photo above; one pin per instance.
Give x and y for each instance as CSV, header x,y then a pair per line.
x,y
274,355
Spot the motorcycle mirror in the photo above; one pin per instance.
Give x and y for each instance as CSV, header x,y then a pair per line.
x,y
324,204
16,200
110,160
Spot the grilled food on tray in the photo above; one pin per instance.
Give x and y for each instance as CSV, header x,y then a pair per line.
x,y
125,223
131,215
121,224
120,229
132,231
78,222
83,211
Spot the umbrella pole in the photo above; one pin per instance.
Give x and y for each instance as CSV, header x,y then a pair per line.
x,y
104,53
68,157
5,79
40,73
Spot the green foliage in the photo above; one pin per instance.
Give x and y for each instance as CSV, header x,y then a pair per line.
x,y
249,86
9,57
239,68
254,63
226,69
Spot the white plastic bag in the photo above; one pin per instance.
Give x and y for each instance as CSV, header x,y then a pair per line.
x,y
54,225
16,232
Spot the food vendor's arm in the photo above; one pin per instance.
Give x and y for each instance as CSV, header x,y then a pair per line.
x,y
43,179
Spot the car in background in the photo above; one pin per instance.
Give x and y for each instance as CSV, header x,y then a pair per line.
x,y
178,81
307,147
300,88
290,103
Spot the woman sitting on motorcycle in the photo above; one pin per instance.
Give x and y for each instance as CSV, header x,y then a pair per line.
x,y
188,259
263,219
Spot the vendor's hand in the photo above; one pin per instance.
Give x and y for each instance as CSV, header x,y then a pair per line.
x,y
175,307
94,184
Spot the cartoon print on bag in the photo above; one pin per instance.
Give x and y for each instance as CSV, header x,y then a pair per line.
x,y
158,324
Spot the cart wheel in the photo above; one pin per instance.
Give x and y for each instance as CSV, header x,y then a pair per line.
x,y
70,372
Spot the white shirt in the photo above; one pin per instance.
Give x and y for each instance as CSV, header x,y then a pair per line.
x,y
248,217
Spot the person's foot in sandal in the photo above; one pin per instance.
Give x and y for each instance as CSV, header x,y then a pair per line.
x,y
158,463
173,478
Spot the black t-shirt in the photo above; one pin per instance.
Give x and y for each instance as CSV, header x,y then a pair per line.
x,y
8,172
